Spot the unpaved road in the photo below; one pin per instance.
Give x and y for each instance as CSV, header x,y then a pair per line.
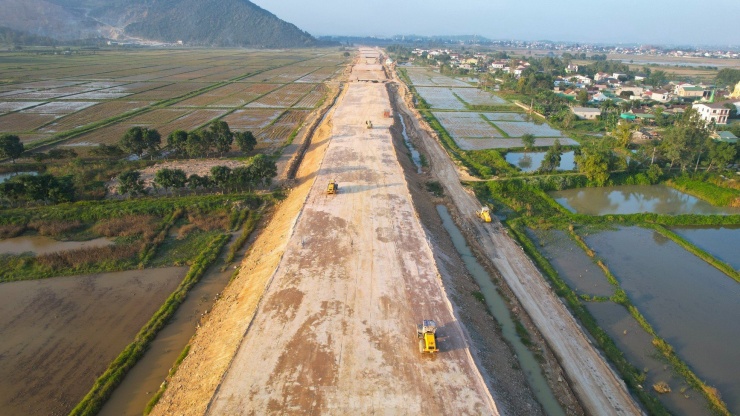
x,y
335,330
597,386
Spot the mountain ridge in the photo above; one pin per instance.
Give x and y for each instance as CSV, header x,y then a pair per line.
x,y
195,22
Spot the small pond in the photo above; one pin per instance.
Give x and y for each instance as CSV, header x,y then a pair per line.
x,y
721,242
46,245
634,199
5,176
531,161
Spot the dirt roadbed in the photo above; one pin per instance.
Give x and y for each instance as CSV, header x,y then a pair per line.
x,y
597,386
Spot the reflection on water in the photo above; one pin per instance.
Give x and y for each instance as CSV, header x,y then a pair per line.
x,y
721,242
5,176
633,199
531,161
692,305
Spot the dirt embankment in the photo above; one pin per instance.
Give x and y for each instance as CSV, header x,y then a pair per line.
x,y
596,385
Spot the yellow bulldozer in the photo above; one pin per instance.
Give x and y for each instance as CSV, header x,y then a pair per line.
x,y
426,332
332,188
484,214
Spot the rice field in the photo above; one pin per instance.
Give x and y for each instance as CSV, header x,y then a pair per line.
x,y
423,77
440,98
514,129
474,96
467,125
268,92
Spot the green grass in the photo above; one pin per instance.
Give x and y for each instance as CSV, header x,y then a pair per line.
x,y
176,252
708,191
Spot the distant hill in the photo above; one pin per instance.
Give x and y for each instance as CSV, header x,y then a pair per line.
x,y
195,22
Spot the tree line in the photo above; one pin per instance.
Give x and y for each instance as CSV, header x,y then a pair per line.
x,y
258,173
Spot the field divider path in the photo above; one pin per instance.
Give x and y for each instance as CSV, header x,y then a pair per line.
x,y
597,386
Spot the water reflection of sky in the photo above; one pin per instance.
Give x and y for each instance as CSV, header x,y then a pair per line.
x,y
531,161
633,199
5,176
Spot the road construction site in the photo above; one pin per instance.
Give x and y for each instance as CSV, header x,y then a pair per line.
x,y
322,316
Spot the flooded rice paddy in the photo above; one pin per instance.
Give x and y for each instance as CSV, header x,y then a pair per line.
x,y
721,242
634,199
531,161
688,302
60,334
46,245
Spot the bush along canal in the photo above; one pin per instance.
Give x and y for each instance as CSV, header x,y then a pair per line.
x,y
497,306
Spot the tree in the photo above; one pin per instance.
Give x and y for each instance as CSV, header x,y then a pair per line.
x,y
654,173
552,158
170,178
221,176
528,142
177,141
131,183
246,141
197,145
197,181
137,140
582,97
263,169
721,154
11,146
623,134
221,136
594,163
684,142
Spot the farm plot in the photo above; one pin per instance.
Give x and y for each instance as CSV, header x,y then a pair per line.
x,y
156,117
280,131
232,95
99,95
518,129
137,87
505,116
320,75
20,123
440,98
313,98
40,95
474,96
283,97
90,115
252,119
10,106
425,78
105,135
466,125
169,91
60,107
190,121
280,75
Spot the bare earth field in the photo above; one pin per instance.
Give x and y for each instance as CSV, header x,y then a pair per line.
x,y
59,335
334,332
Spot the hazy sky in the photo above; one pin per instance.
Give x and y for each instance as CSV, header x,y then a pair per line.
x,y
641,21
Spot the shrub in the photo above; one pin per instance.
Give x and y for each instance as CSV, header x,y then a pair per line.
x,y
54,228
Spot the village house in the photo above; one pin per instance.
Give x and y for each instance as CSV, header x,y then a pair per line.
x,y
496,65
601,76
585,113
712,112
571,69
689,91
661,96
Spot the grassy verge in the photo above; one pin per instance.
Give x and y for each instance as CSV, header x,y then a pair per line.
x,y
112,377
249,226
700,188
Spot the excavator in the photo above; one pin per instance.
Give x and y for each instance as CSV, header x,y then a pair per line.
x,y
484,214
426,332
332,188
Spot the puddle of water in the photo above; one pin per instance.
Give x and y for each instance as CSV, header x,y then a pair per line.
x,y
497,306
415,156
691,304
572,264
531,161
636,344
633,199
60,334
132,395
720,242
45,245
5,176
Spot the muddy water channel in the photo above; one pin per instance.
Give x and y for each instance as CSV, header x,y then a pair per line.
x,y
60,334
531,161
633,199
582,274
46,245
721,242
692,305
497,306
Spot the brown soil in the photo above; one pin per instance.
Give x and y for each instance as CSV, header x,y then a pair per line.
x,y
59,335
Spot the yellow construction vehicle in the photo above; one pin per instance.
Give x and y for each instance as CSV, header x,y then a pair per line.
x,y
369,124
484,214
333,187
426,332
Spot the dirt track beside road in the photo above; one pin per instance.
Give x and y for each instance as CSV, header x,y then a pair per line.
x,y
600,390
